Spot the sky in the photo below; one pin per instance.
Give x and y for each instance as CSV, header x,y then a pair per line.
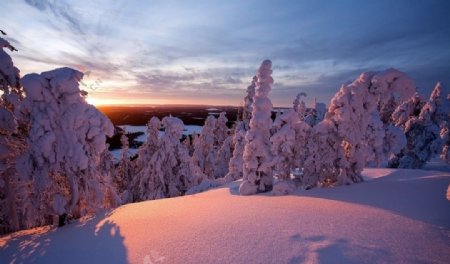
x,y
206,52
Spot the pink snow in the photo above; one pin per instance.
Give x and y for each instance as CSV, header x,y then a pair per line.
x,y
399,216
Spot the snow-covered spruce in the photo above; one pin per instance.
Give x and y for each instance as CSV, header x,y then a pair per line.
x,y
258,164
205,153
124,172
235,165
248,102
289,144
14,202
170,171
223,144
66,139
316,114
421,123
299,105
352,122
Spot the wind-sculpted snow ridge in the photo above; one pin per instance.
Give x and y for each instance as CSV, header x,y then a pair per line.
x,y
396,216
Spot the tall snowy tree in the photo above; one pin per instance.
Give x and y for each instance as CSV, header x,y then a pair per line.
x,y
66,139
258,164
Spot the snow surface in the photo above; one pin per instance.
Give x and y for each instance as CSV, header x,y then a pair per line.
x,y
399,216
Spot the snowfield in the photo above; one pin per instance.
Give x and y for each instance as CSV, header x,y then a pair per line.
x,y
395,216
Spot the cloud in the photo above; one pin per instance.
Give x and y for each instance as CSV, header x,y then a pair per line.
x,y
61,11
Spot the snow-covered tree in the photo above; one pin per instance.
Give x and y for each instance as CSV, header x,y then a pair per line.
x,y
392,87
315,114
283,144
124,173
66,139
235,165
147,149
170,171
322,162
15,206
258,164
205,153
355,127
248,102
299,105
421,123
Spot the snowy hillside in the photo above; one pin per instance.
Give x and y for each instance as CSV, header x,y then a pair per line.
x,y
396,216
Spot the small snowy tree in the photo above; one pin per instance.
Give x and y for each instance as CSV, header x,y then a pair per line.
x,y
235,166
248,102
322,162
299,105
170,171
421,123
147,149
283,145
124,172
257,158
204,155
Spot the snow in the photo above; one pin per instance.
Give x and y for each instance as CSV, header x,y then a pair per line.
x,y
399,216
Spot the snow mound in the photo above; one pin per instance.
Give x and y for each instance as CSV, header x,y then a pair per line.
x,y
400,216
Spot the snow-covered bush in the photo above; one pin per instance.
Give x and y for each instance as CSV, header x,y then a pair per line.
x,y
67,137
258,164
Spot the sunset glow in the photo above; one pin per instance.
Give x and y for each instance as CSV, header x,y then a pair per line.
x,y
175,52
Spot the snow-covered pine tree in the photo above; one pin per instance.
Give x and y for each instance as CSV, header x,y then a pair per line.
x,y
205,153
354,113
147,149
170,171
299,105
235,166
66,139
422,129
223,144
15,207
258,164
124,173
322,161
283,144
248,102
